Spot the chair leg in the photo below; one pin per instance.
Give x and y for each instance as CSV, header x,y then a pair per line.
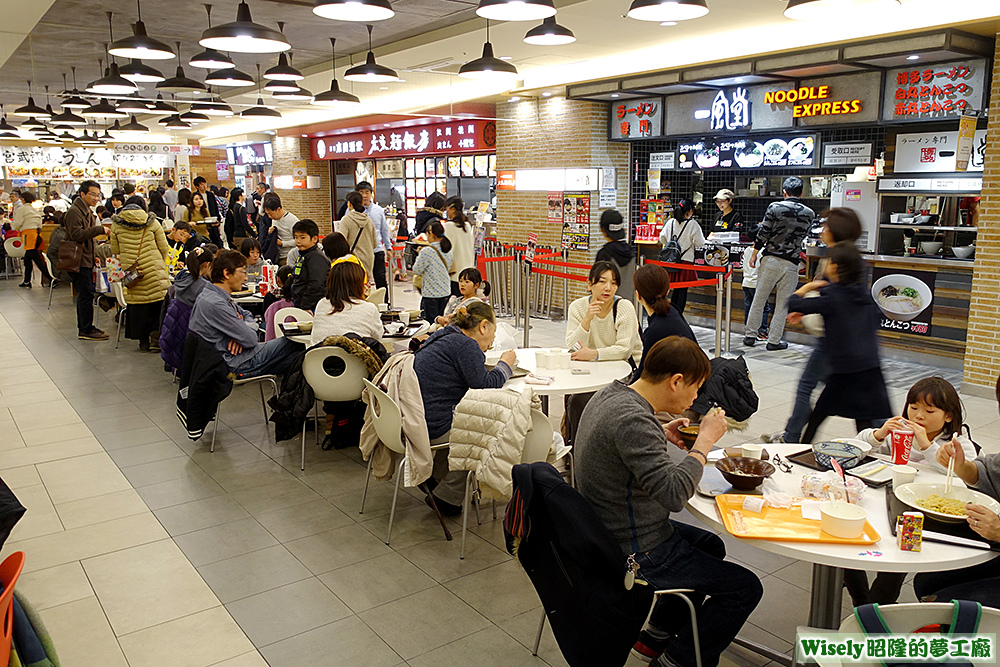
x,y
466,502
263,404
572,468
306,421
447,533
494,510
316,421
395,494
215,428
538,636
477,493
364,494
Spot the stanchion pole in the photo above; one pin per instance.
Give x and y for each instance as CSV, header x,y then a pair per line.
x,y
718,315
516,285
729,310
527,303
565,281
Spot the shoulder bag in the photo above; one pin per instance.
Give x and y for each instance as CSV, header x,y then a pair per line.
x,y
134,273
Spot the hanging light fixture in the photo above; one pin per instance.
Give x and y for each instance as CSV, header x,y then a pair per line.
x,y
335,95
214,107
67,117
193,117
516,10
361,11
667,10
112,83
6,129
134,127
103,109
133,105
31,109
180,83
298,95
550,33
140,45
210,58
260,111
371,71
821,10
74,99
112,131
32,125
244,36
488,66
136,72
283,71
232,78
175,123
160,107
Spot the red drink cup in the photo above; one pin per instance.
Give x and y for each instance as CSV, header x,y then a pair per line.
x,y
902,443
263,289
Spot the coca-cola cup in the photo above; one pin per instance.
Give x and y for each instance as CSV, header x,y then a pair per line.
x,y
901,442
263,288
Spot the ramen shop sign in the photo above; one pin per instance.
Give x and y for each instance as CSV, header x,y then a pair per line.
x,y
812,101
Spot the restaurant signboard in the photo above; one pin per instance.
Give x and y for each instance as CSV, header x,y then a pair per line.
x,y
749,153
936,152
465,136
837,154
249,154
906,299
636,119
942,90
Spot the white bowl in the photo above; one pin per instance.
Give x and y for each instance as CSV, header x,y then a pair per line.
x,y
910,493
922,219
902,280
842,519
860,444
930,247
963,251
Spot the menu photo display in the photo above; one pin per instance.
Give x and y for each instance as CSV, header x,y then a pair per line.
x,y
749,153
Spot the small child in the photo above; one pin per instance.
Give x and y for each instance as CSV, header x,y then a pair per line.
x,y
276,300
250,248
311,268
469,282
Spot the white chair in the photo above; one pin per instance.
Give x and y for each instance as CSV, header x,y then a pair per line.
x,y
14,247
272,379
388,421
283,315
331,381
118,291
377,297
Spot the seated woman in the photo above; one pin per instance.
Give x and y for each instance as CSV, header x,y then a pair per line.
x,y
604,325
344,309
187,286
652,284
447,365
470,281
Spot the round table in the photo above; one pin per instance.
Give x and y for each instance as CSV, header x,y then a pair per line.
x,y
602,373
829,559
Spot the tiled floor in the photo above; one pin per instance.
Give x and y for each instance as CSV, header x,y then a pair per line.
x,y
144,549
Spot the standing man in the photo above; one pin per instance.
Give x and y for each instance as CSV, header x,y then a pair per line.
x,y
785,226
282,222
382,233
82,227
170,196
253,204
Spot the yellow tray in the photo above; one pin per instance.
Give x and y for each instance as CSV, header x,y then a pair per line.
x,y
780,525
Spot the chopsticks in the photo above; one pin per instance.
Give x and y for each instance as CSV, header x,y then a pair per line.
x,y
951,475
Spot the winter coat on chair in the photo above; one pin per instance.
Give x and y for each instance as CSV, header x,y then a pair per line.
x,y
296,399
729,387
138,237
576,567
173,333
204,383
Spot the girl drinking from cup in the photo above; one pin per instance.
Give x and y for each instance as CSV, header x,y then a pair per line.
x,y
470,281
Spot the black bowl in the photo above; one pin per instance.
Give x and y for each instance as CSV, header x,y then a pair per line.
x,y
743,473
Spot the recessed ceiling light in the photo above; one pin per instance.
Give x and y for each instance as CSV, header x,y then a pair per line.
x,y
615,95
515,99
914,57
506,57
668,23
546,94
738,79
383,87
304,136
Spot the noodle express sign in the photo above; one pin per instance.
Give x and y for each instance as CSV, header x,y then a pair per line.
x,y
812,101
905,299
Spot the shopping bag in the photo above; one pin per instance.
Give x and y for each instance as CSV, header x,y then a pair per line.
x,y
114,271
102,285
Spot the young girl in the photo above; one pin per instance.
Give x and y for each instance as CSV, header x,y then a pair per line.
x,y
434,264
934,413
250,248
278,300
469,283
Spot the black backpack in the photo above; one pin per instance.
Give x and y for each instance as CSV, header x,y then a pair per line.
x,y
672,251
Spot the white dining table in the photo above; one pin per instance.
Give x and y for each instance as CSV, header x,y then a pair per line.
x,y
829,560
602,373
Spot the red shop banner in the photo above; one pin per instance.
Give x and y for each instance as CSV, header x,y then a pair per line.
x,y
465,136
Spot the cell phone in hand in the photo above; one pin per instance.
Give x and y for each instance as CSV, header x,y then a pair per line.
x,y
580,371
576,347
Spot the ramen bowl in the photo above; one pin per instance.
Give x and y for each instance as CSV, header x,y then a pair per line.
x,y
743,473
930,247
901,281
963,251
689,434
846,454
910,493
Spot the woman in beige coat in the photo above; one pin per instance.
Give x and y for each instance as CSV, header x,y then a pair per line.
x,y
359,230
137,236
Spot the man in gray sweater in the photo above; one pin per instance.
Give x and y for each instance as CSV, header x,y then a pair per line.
x,y
635,472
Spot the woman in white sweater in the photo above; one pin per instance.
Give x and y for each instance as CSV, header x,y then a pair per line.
x,y
604,326
458,230
344,310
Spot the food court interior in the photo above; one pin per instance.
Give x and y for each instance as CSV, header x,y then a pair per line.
x,y
145,544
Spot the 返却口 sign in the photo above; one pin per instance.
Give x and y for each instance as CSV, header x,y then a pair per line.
x,y
465,136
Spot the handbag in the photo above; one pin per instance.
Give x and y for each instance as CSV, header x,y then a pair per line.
x,y
672,251
134,273
70,256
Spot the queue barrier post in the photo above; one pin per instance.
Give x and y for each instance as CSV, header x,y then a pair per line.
x,y
719,283
729,309
526,268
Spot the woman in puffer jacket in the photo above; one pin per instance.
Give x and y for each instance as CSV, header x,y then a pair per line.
x,y
137,237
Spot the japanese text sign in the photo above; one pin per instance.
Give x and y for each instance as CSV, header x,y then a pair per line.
x,y
934,91
936,151
636,119
466,136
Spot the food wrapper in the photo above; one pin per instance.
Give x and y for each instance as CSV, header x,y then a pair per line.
x,y
909,531
115,272
829,486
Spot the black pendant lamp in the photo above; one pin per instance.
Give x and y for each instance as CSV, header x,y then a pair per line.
x,y
175,123
140,45
335,95
361,11
210,58
283,71
821,10
180,83
132,105
516,10
193,117
73,97
214,107
550,33
297,95
32,125
488,66
31,110
371,71
232,78
136,72
160,108
244,36
112,83
6,129
260,111
667,10
103,109
134,127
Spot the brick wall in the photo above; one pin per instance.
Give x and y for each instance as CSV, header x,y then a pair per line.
x,y
204,165
554,133
312,204
982,355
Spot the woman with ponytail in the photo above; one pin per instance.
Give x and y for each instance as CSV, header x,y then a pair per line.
x,y
652,283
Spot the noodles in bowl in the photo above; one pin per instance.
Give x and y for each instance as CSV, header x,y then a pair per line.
x,y
940,506
901,297
944,505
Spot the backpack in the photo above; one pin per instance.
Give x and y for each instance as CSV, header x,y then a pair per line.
x,y
672,251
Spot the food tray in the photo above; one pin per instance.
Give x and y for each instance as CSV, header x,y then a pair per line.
x,y
808,459
781,525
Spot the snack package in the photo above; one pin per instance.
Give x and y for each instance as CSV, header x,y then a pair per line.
x,y
826,485
910,531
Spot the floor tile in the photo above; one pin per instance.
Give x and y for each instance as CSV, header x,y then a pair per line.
x,y
252,659
55,586
19,478
524,629
490,646
337,480
44,519
42,415
292,523
253,573
412,526
147,585
396,577
44,436
377,504
198,514
194,486
303,605
132,437
82,635
101,508
250,476
205,638
216,543
82,477
498,592
166,470
286,493
440,560
55,451
349,639
336,548
154,451
423,621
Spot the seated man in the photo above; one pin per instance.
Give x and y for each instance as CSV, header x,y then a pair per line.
x,y
634,477
231,329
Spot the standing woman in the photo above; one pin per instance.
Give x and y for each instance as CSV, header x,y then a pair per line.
x,y
359,230
28,221
239,228
433,264
183,204
196,213
458,230
157,206
137,240
687,230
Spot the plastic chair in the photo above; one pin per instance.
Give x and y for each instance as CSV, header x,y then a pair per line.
x,y
10,570
343,382
14,247
388,422
119,293
261,379
377,297
282,316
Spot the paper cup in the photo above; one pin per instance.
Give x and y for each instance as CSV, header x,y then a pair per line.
x,y
564,359
404,318
551,360
540,359
383,307
901,442
753,451
902,475
842,519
